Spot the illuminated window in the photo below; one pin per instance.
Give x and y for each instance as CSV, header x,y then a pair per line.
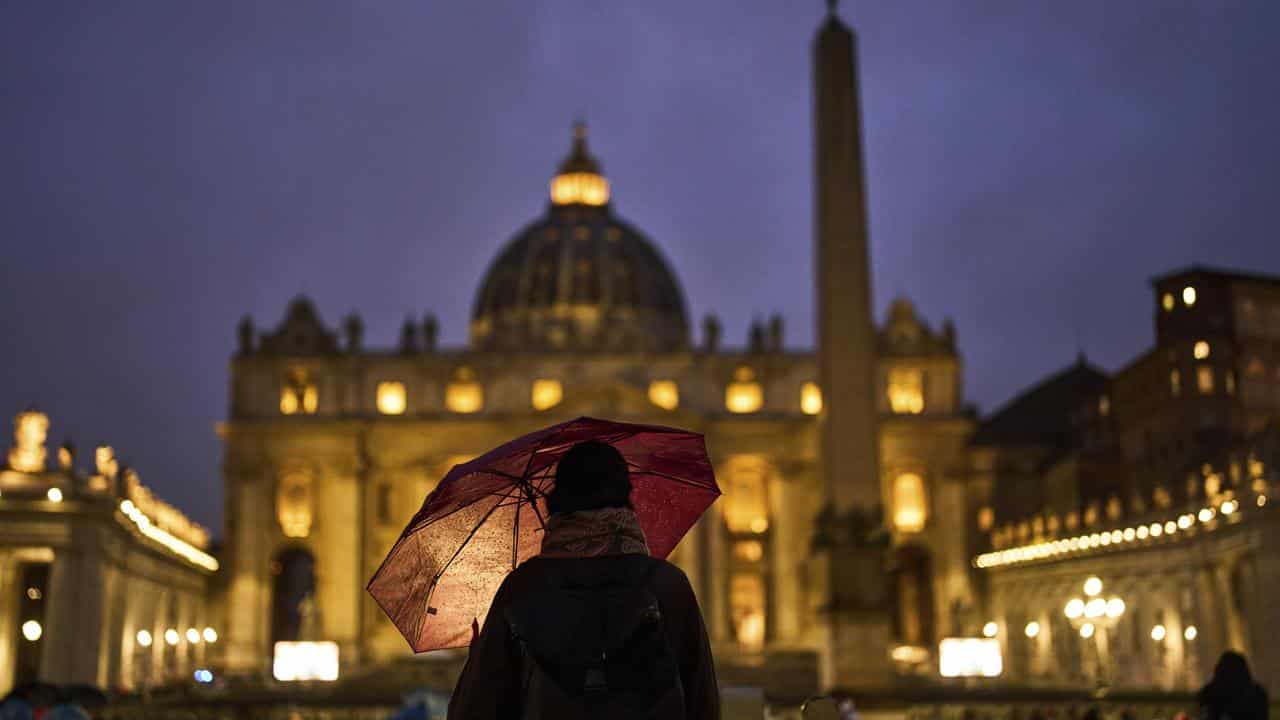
x,y
1204,379
1104,405
545,394
1201,350
391,398
579,188
746,610
986,519
1166,301
743,395
810,398
1188,296
464,394
665,394
906,391
909,503
1175,383
298,395
748,550
746,502
294,504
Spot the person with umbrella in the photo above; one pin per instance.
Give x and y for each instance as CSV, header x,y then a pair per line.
x,y
571,524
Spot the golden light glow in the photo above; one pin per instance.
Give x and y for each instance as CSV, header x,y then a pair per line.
x,y
1092,586
746,501
171,636
906,391
1166,301
1204,379
193,636
1158,632
969,657
294,504
1032,629
1087,630
162,514
288,401
579,188
746,609
1175,383
990,629
986,518
743,395
748,550
310,399
464,395
1188,296
1095,608
54,495
1200,350
1074,608
210,635
144,638
31,630
545,394
665,394
30,429
1190,633
171,542
910,504
294,661
391,398
810,398
1115,608
911,654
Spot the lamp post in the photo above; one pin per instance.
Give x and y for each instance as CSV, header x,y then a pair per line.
x,y
1092,616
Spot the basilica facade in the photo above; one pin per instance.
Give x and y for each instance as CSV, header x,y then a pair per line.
x,y
332,445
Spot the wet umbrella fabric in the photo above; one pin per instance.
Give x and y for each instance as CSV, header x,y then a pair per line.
x,y
486,517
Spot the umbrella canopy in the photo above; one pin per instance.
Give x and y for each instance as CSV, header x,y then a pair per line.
x,y
486,517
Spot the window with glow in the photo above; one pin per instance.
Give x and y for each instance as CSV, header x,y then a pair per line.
x,y
294,504
910,506
1200,350
665,394
391,398
1104,405
743,395
810,398
1175,383
746,610
1204,379
748,550
464,395
1188,296
298,394
579,188
545,394
746,501
906,391
1166,301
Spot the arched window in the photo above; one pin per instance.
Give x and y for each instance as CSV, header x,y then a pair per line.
x,y
910,503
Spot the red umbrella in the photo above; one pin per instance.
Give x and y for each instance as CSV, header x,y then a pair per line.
x,y
486,517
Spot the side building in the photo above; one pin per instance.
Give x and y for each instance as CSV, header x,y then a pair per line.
x,y
101,583
1131,523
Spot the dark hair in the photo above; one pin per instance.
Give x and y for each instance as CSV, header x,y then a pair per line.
x,y
591,475
1232,671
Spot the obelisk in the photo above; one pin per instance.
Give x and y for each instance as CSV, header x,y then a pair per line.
x,y
856,613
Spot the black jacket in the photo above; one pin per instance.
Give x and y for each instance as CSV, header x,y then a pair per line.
x,y
490,687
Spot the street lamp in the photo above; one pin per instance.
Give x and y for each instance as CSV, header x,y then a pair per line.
x,y
1092,615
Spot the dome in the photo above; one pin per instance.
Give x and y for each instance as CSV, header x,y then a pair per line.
x,y
579,278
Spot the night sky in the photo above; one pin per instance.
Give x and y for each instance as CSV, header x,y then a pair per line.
x,y
167,167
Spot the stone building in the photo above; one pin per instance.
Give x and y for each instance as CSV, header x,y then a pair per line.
x,y
1154,481
331,445
101,583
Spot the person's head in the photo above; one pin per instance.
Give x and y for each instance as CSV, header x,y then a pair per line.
x,y
590,476
1232,670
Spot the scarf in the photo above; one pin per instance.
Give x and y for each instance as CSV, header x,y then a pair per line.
x,y
588,533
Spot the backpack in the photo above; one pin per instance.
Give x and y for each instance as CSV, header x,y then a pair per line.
x,y
596,647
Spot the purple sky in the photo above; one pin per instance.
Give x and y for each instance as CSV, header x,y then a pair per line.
x,y
167,167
